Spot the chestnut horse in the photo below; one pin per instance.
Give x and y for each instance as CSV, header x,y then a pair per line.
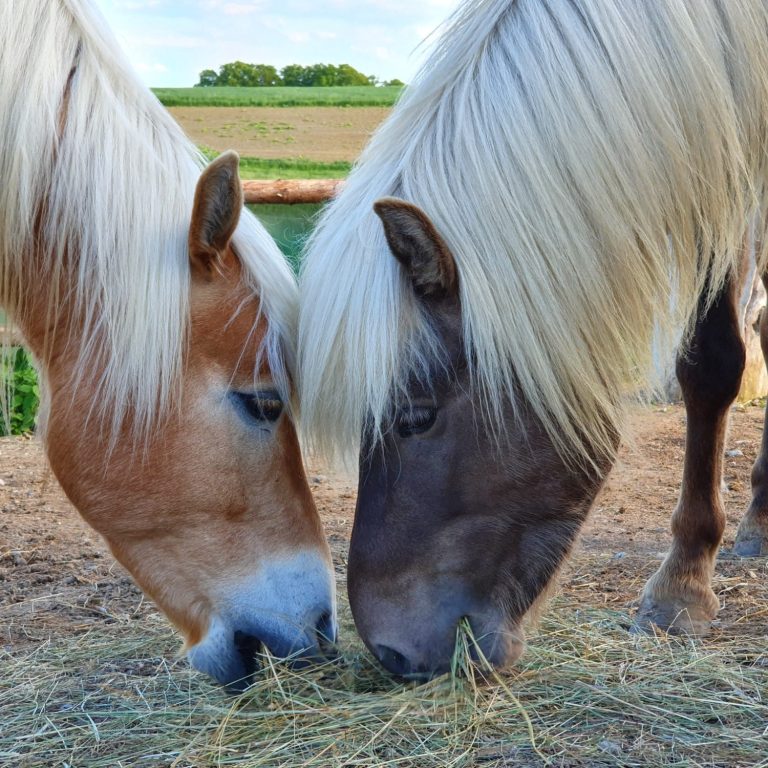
x,y
162,317
563,181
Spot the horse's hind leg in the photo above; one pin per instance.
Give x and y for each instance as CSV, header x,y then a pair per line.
x,y
679,595
752,536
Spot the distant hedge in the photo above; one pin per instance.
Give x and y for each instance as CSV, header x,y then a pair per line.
x,y
244,75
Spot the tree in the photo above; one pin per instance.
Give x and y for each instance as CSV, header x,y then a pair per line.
x,y
315,75
249,75
293,75
348,75
239,73
266,75
207,78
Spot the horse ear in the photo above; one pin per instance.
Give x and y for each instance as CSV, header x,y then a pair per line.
x,y
215,214
416,244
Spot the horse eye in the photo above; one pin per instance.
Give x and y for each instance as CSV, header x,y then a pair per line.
x,y
415,419
265,405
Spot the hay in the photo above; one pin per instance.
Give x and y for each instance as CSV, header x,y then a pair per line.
x,y
586,694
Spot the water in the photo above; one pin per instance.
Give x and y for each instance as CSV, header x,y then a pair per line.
x,y
290,225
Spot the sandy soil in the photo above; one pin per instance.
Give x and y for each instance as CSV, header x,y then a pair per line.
x,y
316,133
57,576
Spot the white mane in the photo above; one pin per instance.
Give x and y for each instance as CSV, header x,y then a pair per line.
x,y
95,173
585,161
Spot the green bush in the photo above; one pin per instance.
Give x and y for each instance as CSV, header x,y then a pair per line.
x,y
19,379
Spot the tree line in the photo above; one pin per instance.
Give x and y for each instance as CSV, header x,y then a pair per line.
x,y
265,76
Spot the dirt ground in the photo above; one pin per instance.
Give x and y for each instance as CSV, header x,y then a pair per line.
x,y
316,133
57,576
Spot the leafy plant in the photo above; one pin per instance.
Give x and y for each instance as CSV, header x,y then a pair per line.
x,y
22,400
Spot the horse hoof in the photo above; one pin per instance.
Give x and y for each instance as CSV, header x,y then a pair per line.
x,y
750,546
752,536
674,617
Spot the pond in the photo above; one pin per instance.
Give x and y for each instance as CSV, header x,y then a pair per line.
x,y
290,225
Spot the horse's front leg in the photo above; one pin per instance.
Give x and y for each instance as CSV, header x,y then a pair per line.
x,y
752,536
679,595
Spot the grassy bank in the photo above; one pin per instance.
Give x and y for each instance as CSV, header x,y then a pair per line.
x,y
347,96
286,168
292,168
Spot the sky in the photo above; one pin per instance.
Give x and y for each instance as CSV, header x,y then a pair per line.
x,y
170,42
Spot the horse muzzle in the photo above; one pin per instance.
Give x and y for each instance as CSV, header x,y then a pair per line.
x,y
418,639
286,611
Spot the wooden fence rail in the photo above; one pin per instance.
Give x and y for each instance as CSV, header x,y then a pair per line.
x,y
291,191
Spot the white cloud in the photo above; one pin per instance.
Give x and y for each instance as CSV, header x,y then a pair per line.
x,y
233,8
142,66
167,41
298,37
396,9
241,9
136,5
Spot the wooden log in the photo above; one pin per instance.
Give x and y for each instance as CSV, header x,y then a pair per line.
x,y
290,191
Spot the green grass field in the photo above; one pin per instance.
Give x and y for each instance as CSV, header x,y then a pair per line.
x,y
347,96
292,168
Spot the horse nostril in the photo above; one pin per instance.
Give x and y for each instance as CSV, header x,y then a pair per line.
x,y
325,630
248,646
393,660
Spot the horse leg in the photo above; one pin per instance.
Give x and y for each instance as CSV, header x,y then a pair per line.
x,y
679,595
752,536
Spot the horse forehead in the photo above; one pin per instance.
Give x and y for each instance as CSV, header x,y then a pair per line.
x,y
228,325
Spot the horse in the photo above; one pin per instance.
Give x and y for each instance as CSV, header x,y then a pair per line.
x,y
563,185
162,318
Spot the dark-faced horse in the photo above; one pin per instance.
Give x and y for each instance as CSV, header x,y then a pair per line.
x,y
163,320
563,183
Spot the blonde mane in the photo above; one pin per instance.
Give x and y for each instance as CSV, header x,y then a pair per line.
x,y
96,175
586,162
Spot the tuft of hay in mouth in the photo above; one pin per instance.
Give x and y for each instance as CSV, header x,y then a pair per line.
x,y
587,693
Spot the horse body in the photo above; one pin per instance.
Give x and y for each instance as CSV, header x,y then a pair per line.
x,y
586,171
162,319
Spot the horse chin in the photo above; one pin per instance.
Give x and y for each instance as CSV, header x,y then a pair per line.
x,y
499,648
218,656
